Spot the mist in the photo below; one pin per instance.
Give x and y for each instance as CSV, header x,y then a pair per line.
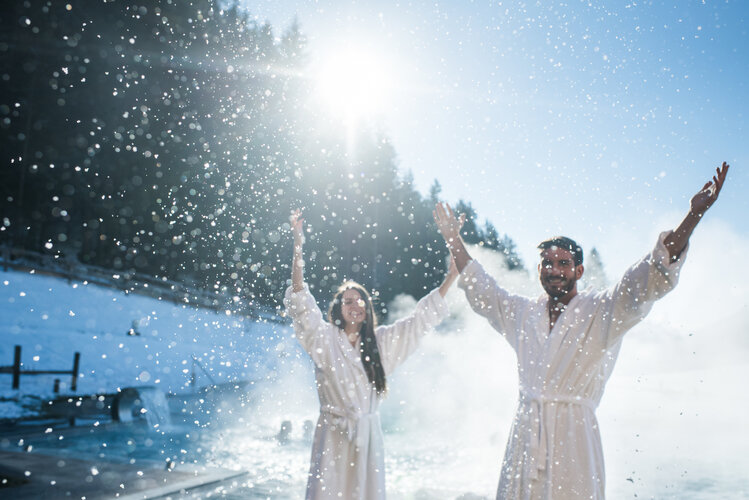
x,y
671,419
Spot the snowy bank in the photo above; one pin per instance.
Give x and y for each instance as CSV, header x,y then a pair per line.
x,y
126,340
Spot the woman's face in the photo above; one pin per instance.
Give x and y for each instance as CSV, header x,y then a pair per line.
x,y
353,308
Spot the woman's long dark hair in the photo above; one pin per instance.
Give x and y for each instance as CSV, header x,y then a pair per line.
x,y
370,353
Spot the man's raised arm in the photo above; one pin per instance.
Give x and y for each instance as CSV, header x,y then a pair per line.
x,y
449,226
704,199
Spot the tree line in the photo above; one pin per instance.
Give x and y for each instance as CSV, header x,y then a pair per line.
x,y
172,139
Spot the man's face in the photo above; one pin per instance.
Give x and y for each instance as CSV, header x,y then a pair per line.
x,y
558,272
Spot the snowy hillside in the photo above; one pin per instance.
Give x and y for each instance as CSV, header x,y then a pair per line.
x,y
125,340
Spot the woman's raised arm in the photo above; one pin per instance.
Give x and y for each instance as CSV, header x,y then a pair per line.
x,y
452,274
297,264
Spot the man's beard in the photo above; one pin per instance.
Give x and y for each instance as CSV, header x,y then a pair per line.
x,y
559,290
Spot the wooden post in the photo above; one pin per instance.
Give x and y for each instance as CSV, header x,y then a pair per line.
x,y
17,367
76,363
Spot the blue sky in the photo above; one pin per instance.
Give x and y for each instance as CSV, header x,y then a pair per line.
x,y
594,121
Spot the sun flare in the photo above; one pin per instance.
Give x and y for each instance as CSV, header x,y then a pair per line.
x,y
354,82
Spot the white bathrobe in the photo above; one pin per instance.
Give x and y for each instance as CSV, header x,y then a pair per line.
x,y
554,447
347,452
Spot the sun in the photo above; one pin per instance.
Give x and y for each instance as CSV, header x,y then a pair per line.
x,y
354,83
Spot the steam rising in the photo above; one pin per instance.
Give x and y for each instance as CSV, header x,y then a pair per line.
x,y
672,417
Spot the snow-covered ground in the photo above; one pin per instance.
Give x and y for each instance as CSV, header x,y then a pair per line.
x,y
125,340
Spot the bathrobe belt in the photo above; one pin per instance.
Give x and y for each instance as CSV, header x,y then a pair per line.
x,y
541,410
359,425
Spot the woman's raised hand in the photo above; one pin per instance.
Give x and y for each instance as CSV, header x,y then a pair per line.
x,y
450,277
297,226
452,270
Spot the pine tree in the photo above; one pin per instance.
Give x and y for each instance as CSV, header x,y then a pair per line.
x,y
595,275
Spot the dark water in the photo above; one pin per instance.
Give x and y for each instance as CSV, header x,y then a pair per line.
x,y
417,467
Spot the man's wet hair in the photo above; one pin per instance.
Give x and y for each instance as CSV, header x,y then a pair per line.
x,y
565,243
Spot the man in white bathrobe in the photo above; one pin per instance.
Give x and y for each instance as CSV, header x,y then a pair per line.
x,y
566,344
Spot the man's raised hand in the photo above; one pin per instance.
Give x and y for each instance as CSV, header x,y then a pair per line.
x,y
709,192
448,225
677,240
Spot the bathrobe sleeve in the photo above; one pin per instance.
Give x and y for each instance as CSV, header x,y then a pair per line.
x,y
630,300
398,341
310,329
502,309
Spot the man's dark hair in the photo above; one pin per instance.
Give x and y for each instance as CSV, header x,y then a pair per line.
x,y
565,243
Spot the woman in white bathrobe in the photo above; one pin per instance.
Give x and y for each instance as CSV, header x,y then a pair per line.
x,y
353,358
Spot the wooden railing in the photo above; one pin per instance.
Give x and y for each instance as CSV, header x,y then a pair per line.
x,y
16,371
